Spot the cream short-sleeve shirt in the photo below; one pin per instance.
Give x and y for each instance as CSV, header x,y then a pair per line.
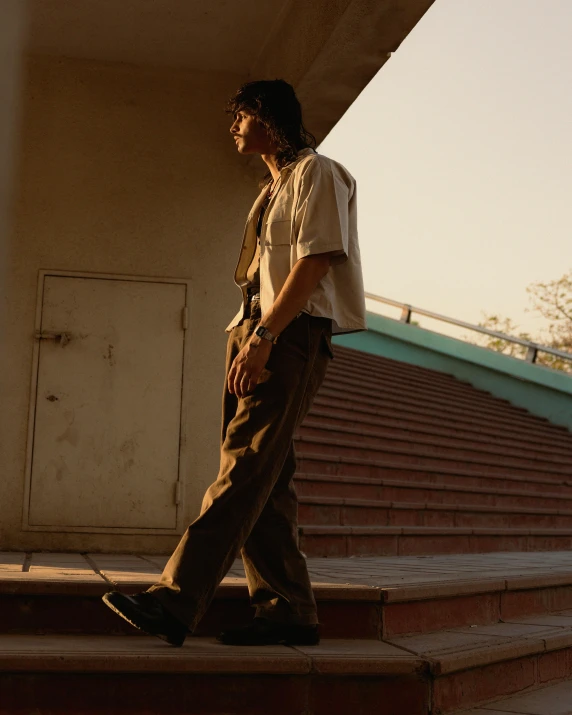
x,y
313,211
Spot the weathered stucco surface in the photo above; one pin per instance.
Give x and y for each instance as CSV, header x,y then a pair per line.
x,y
124,166
126,171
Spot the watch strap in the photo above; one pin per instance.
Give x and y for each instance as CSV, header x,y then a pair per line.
x,y
262,332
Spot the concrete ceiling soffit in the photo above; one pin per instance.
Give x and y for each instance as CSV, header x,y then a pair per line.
x,y
332,52
217,35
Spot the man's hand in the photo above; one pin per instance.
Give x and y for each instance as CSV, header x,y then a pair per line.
x,y
300,283
248,366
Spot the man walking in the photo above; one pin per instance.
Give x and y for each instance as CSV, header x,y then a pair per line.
x,y
300,275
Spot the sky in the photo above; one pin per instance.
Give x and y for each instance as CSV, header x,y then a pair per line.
x,y
462,151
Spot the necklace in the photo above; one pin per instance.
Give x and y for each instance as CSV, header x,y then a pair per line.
x,y
273,187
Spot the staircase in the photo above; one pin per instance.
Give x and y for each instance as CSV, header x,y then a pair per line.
x,y
396,459
400,636
424,477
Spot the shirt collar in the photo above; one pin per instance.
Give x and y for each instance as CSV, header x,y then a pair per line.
x,y
301,154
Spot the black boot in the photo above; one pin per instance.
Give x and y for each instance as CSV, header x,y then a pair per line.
x,y
146,613
263,631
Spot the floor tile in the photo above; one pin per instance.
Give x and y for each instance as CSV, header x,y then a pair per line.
x,y
555,700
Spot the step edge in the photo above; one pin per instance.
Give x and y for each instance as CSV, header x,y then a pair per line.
x,y
293,660
380,481
485,461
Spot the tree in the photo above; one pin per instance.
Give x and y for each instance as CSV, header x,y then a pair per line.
x,y
553,300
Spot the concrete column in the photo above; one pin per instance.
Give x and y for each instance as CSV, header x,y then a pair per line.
x,y
13,15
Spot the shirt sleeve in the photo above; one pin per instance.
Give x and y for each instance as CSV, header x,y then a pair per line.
x,y
321,219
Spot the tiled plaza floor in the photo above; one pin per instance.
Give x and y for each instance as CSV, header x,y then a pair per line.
x,y
380,572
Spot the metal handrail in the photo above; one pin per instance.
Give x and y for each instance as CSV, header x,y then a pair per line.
x,y
532,348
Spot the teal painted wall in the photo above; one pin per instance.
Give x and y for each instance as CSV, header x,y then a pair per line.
x,y
541,390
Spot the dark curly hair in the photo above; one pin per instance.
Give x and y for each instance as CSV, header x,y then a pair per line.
x,y
275,105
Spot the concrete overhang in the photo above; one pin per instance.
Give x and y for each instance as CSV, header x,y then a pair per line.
x,y
328,49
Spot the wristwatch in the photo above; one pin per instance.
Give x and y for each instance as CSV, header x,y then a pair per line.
x,y
261,332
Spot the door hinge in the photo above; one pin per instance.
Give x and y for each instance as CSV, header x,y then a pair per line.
x,y
185,317
178,492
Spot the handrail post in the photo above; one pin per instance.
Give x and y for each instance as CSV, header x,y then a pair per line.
x,y
531,353
406,314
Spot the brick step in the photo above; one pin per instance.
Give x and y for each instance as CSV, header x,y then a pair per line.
x,y
420,415
358,423
401,490
466,395
337,511
415,422
119,674
376,364
463,600
381,374
342,541
543,700
399,399
379,363
411,600
400,410
431,395
425,471
472,666
319,425
353,394
438,672
33,605
315,437
362,365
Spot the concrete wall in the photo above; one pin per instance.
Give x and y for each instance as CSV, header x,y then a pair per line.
x,y
540,390
127,171
12,26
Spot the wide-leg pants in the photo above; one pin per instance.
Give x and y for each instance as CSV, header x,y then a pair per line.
x,y
251,509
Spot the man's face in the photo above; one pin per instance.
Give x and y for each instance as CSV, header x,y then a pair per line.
x,y
249,135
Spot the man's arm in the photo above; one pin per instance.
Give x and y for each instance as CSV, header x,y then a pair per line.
x,y
299,286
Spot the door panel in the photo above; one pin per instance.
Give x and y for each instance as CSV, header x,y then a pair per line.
x,y
108,405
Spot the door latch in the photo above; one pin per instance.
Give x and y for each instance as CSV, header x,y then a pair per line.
x,y
60,338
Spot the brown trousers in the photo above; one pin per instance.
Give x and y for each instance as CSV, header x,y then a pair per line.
x,y
252,507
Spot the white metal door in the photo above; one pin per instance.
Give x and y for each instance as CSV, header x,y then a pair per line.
x,y
107,418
